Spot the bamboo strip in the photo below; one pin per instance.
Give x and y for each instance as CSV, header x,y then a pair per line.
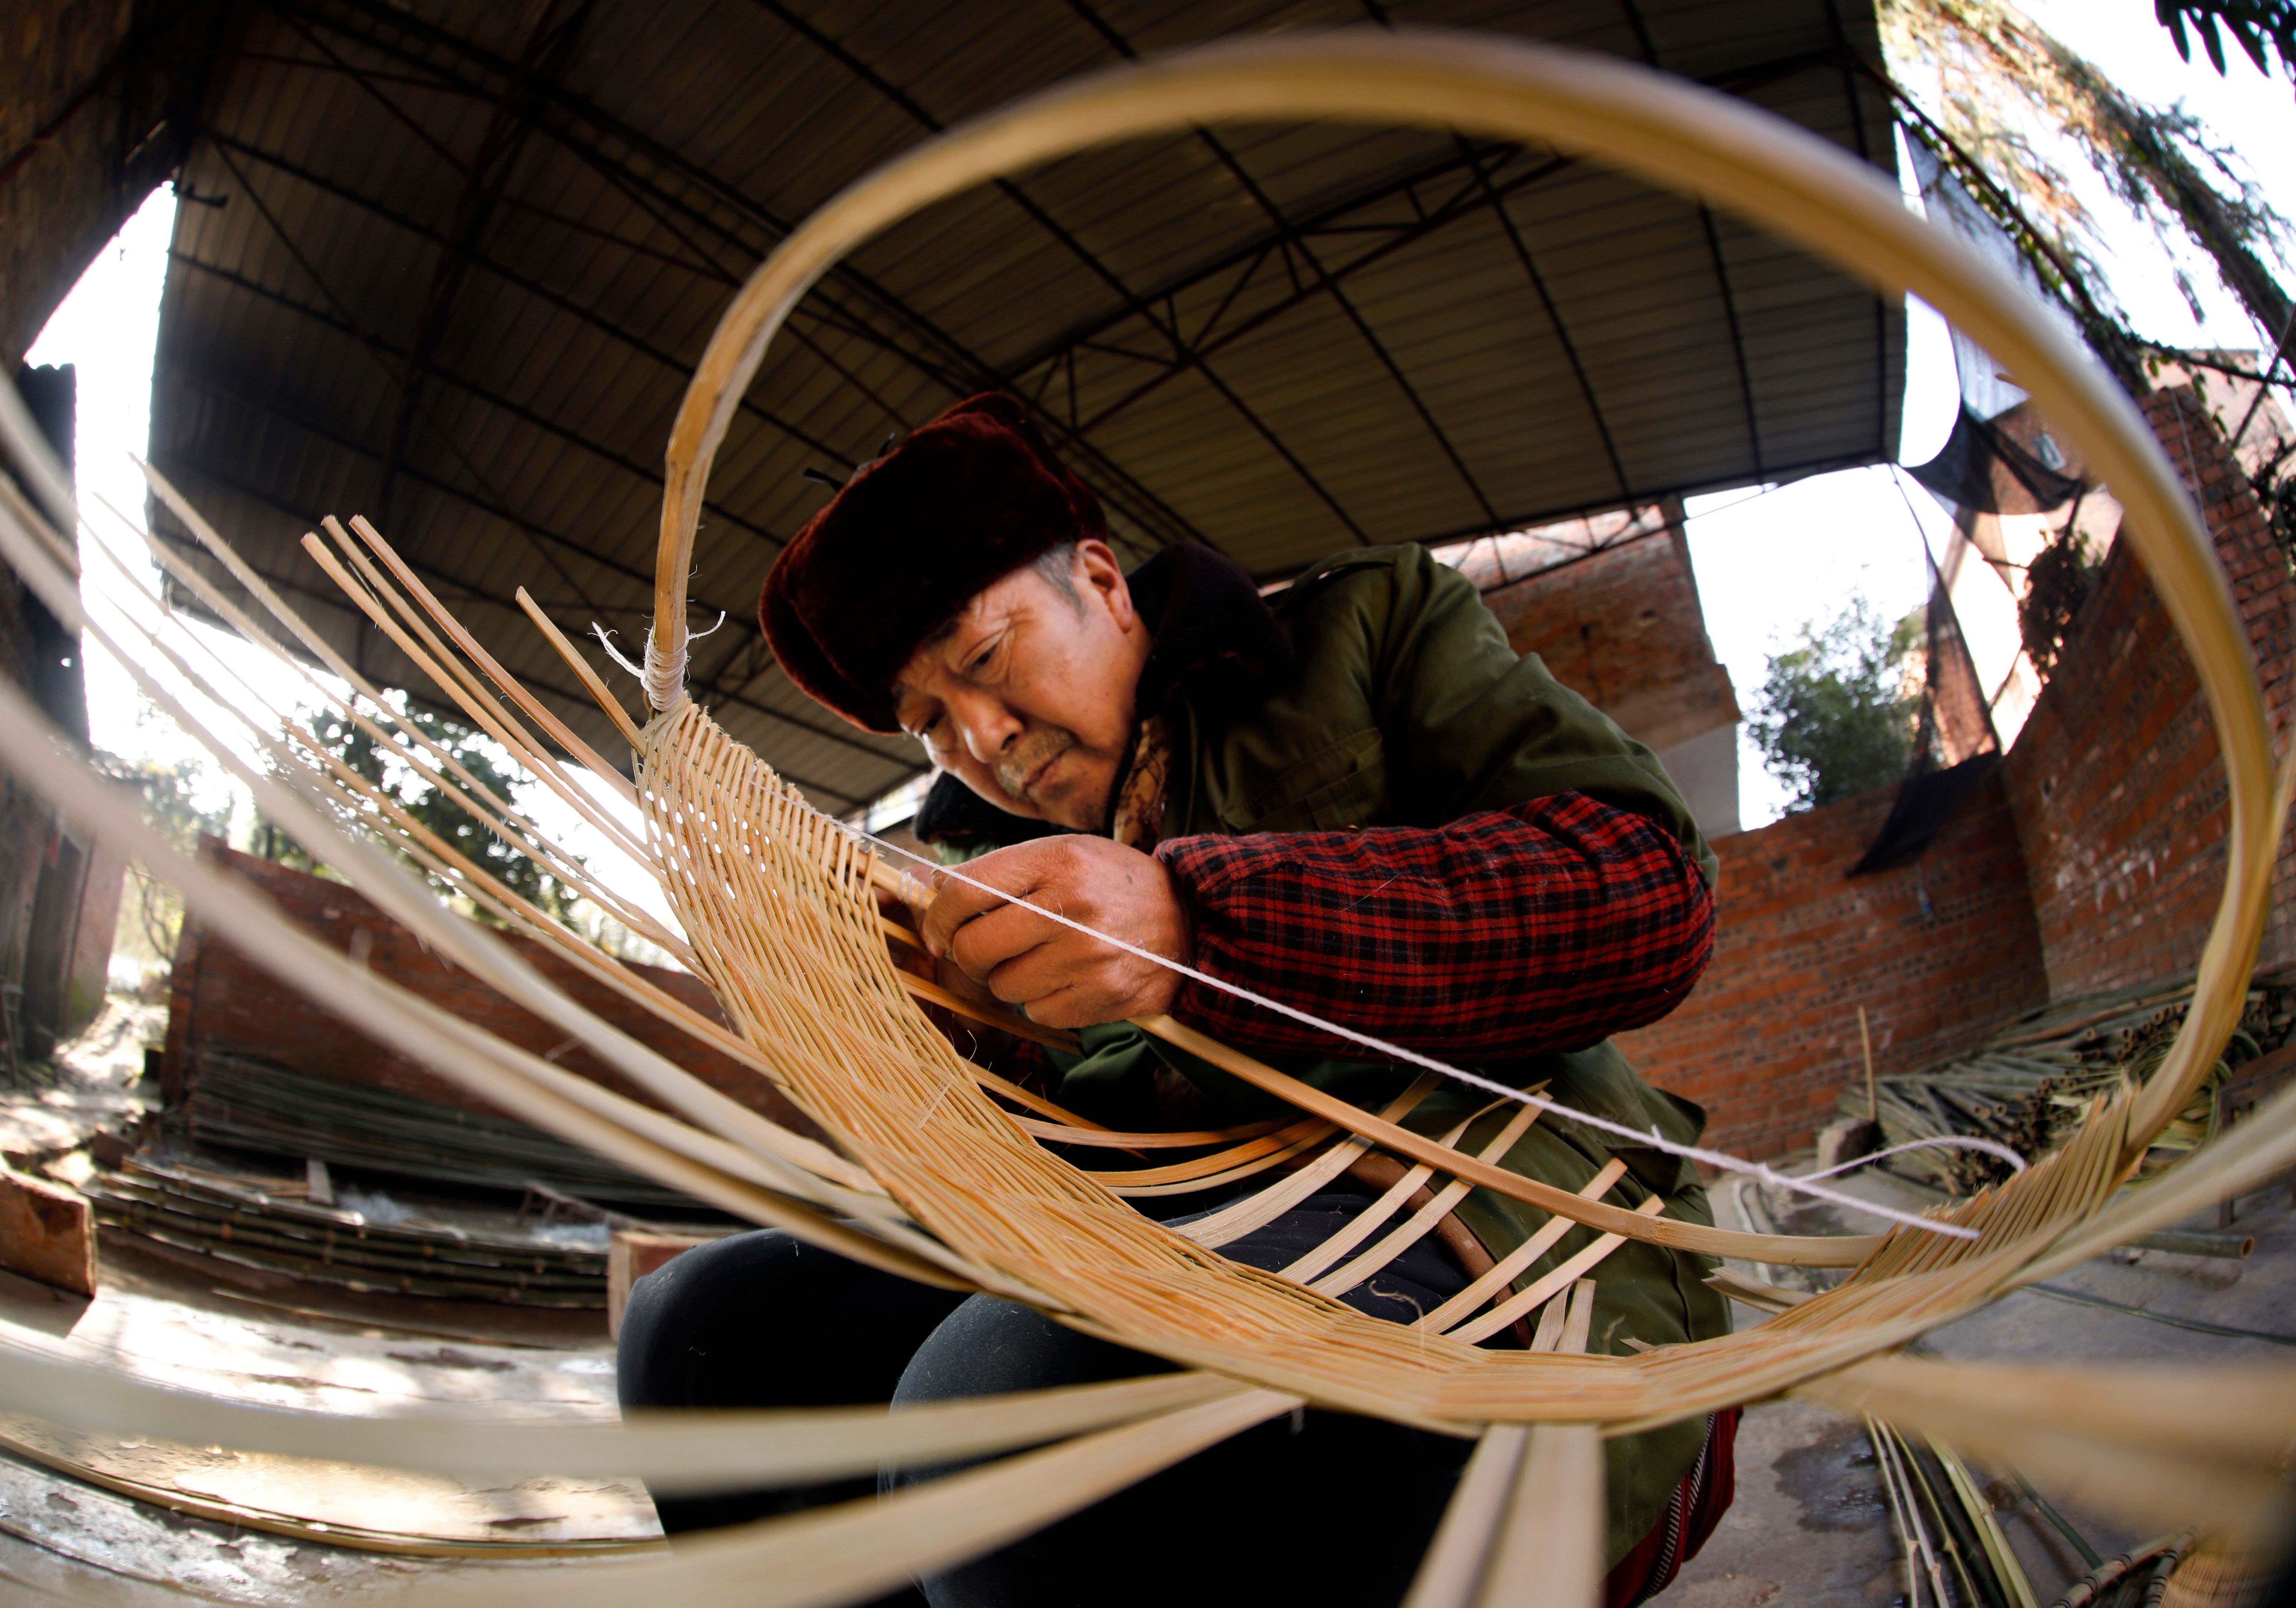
x,y
1390,1201
381,602
1499,1317
1288,1156
2213,1464
1255,1211
416,742
403,1020
575,659
484,890
1421,1222
1840,1251
1548,1552
684,1451
1062,1133
1453,1570
515,689
1516,1262
864,1547
1304,1131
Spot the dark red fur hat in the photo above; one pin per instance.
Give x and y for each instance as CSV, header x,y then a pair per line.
x,y
969,497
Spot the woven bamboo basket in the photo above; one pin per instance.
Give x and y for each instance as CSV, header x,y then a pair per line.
x,y
935,1169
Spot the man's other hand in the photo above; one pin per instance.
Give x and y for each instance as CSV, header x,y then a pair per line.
x,y
1056,975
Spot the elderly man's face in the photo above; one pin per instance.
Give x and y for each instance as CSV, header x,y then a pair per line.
x,y
1027,697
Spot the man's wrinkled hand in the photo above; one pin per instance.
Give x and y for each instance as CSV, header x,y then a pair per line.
x,y
1056,975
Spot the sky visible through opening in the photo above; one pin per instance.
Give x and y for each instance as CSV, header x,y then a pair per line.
x,y
1767,561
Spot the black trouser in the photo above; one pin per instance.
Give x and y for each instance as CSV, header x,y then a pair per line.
x,y
1323,1507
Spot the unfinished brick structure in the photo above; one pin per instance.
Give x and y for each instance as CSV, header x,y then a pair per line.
x,y
2092,858
1622,626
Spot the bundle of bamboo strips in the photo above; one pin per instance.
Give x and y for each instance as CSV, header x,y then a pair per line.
x,y
2028,1084
926,1172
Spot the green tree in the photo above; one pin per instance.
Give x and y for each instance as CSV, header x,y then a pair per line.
x,y
2002,79
1834,716
151,912
2261,28
386,768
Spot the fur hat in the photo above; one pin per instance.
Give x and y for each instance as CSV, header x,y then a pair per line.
x,y
969,497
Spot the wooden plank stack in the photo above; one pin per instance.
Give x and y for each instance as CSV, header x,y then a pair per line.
x,y
231,1220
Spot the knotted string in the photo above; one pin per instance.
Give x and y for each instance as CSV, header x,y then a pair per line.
x,y
663,675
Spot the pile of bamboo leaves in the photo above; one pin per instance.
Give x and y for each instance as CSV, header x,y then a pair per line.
x,y
2027,1085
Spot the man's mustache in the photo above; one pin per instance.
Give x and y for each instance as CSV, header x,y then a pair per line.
x,y
1027,757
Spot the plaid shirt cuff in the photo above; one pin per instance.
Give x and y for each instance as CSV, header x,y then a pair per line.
x,y
1548,925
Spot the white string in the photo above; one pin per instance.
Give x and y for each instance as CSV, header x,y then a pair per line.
x,y
665,674
606,641
1721,1160
1946,1142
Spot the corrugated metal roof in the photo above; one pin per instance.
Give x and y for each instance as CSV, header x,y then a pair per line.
x,y
450,263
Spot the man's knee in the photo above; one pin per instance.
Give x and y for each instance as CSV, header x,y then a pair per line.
x,y
989,1347
681,1314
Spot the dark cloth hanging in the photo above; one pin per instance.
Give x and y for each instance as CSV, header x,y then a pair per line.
x,y
1954,745
1986,468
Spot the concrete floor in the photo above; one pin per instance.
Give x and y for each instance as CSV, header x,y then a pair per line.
x,y
1810,1529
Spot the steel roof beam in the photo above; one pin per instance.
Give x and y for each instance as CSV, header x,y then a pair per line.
x,y
1853,91
508,276
1578,374
1093,263
467,386
1463,205
1235,168
1130,496
1649,47
549,47
1377,13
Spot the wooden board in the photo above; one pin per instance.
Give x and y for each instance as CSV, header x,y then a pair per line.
x,y
47,1233
64,1542
350,1504
630,1256
275,1361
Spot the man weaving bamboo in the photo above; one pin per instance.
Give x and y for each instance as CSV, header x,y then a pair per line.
x,y
1356,799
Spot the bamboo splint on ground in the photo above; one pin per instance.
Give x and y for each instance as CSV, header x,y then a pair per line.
x,y
925,1172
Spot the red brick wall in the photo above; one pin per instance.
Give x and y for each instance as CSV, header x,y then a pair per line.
x,y
1623,627
2092,860
1935,951
2114,782
1620,621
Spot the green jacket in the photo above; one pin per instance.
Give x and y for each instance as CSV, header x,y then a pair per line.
x,y
1378,691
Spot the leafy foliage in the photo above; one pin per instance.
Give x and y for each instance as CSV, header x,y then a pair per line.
x,y
387,770
151,913
1834,716
2057,583
2262,29
2002,80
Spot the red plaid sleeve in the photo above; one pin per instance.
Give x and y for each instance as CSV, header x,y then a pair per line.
x,y
1549,926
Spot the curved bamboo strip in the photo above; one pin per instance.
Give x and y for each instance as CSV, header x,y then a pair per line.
x,y
1675,135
